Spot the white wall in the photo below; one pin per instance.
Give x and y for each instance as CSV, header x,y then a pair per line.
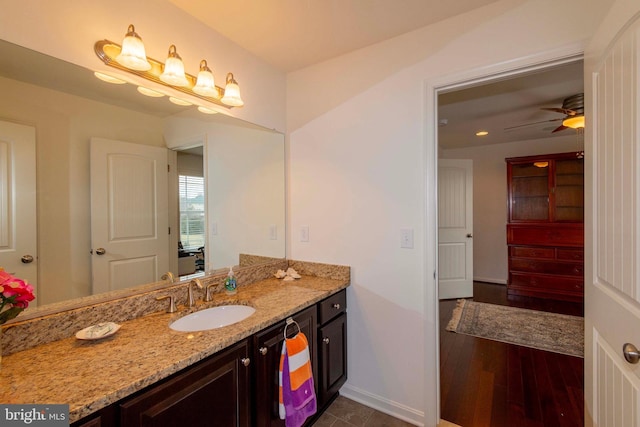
x,y
490,197
245,188
68,29
362,166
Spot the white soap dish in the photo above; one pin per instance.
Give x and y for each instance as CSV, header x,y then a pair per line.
x,y
99,331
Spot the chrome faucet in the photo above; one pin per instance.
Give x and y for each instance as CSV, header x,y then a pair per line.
x,y
168,276
190,299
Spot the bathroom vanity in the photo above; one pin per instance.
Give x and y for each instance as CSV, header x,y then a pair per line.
x,y
148,374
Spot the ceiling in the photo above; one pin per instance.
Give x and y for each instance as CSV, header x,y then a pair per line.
x,y
293,34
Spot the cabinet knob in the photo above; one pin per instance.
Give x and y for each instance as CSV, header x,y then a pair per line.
x,y
326,340
263,350
336,306
245,361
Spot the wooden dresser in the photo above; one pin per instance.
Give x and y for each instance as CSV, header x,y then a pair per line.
x,y
545,231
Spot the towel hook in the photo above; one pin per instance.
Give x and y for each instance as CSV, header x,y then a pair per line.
x,y
290,321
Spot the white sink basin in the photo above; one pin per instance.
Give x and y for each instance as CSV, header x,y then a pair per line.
x,y
212,318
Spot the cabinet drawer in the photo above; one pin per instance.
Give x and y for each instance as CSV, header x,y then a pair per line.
x,y
332,306
527,252
570,254
548,267
559,235
547,283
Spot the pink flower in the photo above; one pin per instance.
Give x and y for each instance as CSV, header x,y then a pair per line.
x,y
15,295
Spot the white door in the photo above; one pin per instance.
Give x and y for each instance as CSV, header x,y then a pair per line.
x,y
129,214
455,228
612,219
18,240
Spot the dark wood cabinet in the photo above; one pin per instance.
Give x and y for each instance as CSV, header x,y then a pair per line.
x,y
545,231
213,392
267,349
238,386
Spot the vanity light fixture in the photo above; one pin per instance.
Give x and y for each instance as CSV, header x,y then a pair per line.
x,y
205,85
232,92
132,54
171,74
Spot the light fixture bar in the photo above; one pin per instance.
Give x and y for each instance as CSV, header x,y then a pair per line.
x,y
107,51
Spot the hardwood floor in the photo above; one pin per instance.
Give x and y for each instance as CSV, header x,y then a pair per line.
x,y
488,383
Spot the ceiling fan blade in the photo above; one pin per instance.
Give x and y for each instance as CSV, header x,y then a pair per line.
x,y
560,110
531,124
559,128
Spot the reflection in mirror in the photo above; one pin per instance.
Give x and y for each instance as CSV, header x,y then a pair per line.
x,y
242,170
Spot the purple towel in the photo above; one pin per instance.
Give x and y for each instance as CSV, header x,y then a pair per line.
x,y
296,405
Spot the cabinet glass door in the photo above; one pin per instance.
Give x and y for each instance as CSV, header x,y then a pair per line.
x,y
530,192
569,190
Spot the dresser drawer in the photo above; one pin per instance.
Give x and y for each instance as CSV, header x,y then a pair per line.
x,y
570,254
529,252
332,306
546,283
548,267
565,235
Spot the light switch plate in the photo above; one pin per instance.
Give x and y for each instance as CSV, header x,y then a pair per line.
x,y
304,233
406,238
273,232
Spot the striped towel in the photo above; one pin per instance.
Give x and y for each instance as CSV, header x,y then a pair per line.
x,y
296,391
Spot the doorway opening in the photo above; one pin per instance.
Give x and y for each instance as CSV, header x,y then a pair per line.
x,y
478,377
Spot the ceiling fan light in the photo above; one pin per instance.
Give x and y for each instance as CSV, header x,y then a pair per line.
x,y
574,122
232,93
173,73
132,55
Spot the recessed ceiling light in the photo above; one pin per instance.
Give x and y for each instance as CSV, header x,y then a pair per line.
x,y
482,133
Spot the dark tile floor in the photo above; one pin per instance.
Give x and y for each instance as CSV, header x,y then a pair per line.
x,y
345,412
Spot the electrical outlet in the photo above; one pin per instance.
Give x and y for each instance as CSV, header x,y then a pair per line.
x,y
406,238
304,233
273,232
214,228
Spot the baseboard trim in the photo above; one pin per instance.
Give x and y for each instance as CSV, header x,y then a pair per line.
x,y
490,280
381,404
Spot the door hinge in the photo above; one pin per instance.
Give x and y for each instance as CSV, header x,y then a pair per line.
x,y
168,168
169,230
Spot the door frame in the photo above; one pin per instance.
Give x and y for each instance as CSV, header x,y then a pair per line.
x,y
473,77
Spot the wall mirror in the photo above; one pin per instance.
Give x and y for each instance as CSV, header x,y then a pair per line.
x,y
240,206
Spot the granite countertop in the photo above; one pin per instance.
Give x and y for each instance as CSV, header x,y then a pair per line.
x,y
90,375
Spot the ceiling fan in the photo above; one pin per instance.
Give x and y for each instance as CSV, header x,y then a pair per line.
x,y
572,108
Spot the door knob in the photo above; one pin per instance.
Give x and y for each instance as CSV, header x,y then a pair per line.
x,y
100,251
26,259
631,353
469,236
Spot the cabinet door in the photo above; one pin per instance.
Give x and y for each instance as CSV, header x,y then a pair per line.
x,y
332,357
529,191
213,392
268,345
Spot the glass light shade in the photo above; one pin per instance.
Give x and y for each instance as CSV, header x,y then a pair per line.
x,y
574,122
150,92
173,73
541,164
132,54
232,93
205,84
